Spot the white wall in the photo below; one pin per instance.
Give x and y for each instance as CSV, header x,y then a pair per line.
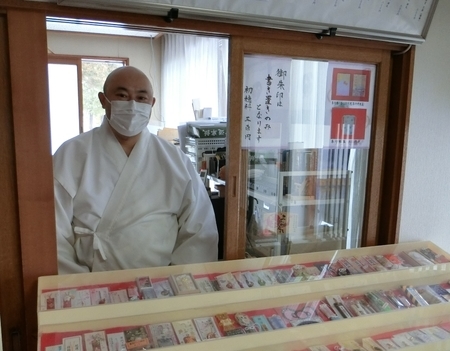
x,y
143,53
425,211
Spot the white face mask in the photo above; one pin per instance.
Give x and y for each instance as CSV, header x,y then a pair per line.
x,y
129,118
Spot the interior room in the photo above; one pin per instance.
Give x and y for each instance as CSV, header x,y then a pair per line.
x,y
328,137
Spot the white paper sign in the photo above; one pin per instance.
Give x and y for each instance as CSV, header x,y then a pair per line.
x,y
265,109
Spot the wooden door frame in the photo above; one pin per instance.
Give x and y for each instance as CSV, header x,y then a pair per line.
x,y
396,144
28,65
236,167
11,293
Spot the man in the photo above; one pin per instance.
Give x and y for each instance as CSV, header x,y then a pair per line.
x,y
124,197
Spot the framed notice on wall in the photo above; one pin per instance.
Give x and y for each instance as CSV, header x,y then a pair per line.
x,y
405,21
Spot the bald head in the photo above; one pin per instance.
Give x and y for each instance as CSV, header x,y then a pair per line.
x,y
127,74
126,83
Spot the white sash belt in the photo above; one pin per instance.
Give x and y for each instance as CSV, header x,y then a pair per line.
x,y
97,244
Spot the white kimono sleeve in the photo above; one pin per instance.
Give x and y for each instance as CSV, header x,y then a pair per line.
x,y
67,258
197,235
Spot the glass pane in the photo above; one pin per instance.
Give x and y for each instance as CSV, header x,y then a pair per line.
x,y
94,73
64,112
306,133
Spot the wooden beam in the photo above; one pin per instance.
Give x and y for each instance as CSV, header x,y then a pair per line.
x,y
30,109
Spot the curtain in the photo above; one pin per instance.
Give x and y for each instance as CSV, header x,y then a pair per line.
x,y
193,67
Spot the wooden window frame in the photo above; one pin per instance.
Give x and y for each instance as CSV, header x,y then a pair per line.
x,y
76,60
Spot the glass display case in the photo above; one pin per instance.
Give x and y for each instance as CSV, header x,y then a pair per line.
x,y
316,301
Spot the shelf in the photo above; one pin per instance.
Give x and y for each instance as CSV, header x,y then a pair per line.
x,y
284,202
145,312
320,174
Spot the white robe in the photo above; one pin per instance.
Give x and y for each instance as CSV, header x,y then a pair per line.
x,y
117,212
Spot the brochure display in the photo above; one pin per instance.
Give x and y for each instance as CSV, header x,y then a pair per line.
x,y
375,298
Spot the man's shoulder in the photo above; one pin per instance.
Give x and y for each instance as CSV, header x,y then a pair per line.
x,y
170,155
77,142
74,147
165,145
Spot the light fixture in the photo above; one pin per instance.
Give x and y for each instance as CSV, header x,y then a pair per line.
x,y
97,27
